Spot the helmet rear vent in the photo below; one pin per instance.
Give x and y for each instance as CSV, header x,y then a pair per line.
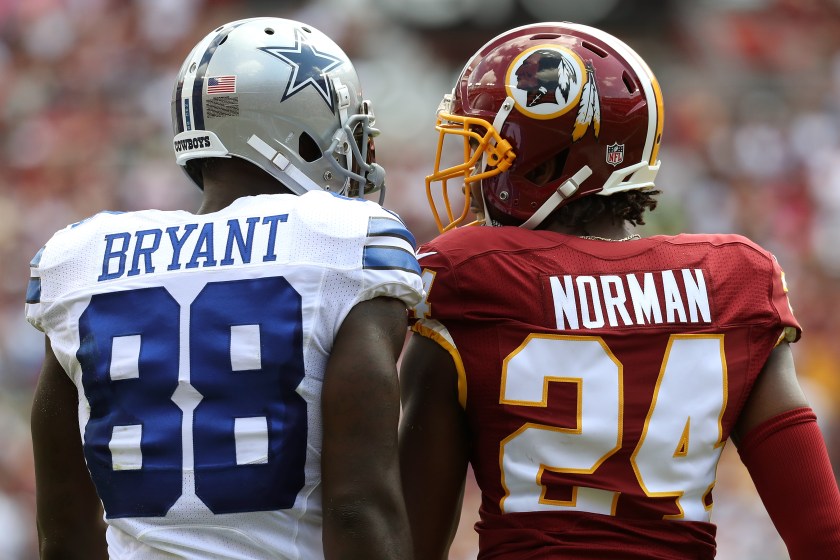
x,y
628,82
595,49
544,36
268,31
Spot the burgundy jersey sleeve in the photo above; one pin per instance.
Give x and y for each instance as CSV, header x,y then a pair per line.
x,y
601,379
782,305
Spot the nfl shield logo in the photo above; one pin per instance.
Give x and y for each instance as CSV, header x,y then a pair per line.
x,y
615,153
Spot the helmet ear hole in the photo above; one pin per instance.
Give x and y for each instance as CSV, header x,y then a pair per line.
x,y
550,170
308,148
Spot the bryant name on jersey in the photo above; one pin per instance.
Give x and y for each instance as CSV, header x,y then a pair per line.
x,y
187,245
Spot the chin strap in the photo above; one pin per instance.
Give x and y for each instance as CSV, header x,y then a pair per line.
x,y
563,192
298,182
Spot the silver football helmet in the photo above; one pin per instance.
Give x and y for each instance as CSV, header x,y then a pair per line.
x,y
283,96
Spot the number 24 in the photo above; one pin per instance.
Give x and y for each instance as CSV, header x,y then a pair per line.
x,y
680,444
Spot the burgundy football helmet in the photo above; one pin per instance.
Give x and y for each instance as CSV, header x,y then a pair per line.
x,y
548,91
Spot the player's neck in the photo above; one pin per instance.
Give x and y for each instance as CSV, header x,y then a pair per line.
x,y
215,201
233,179
603,230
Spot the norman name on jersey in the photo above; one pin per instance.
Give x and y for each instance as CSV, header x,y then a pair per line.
x,y
650,298
190,246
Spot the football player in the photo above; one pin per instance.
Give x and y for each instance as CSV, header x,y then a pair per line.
x,y
223,384
591,377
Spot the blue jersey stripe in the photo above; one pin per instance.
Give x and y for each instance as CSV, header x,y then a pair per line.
x,y
33,291
386,227
389,258
36,260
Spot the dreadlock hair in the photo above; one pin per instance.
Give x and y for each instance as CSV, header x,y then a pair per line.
x,y
625,206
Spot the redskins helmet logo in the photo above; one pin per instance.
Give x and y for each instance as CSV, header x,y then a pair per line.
x,y
547,81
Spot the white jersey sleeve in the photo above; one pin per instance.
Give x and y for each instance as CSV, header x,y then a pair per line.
x,y
198,346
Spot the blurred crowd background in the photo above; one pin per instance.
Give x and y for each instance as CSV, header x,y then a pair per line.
x,y
751,146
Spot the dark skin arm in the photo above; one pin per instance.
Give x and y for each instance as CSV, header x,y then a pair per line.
x,y
789,463
776,391
434,450
69,513
364,511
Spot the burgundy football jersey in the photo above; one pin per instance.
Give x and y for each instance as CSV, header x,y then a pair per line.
x,y
600,380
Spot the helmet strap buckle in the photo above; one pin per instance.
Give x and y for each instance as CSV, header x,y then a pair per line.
x,y
563,192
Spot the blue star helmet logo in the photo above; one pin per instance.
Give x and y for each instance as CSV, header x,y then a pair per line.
x,y
309,67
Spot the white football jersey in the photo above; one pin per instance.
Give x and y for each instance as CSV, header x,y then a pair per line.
x,y
198,345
